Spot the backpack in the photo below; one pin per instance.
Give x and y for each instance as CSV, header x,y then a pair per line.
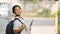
x,y
9,27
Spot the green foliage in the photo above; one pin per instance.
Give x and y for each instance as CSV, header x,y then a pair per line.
x,y
58,16
33,1
58,12
44,13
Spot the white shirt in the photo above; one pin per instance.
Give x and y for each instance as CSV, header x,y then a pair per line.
x,y
17,24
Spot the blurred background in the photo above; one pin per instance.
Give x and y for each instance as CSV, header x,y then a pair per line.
x,y
43,12
58,17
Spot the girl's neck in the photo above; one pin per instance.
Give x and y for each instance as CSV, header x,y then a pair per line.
x,y
18,16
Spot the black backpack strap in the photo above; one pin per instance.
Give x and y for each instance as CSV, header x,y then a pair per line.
x,y
18,19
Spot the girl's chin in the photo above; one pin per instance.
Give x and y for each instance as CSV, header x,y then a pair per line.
x,y
17,15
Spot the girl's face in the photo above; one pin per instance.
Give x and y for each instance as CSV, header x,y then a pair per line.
x,y
18,11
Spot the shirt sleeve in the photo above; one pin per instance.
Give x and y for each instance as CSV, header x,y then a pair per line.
x,y
17,24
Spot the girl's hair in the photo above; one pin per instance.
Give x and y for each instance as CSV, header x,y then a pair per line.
x,y
13,9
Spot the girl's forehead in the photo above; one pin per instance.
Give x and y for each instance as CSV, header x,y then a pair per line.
x,y
17,8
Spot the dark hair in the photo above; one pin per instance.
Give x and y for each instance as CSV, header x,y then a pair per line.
x,y
15,7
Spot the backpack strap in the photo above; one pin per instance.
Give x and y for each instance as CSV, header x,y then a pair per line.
x,y
18,19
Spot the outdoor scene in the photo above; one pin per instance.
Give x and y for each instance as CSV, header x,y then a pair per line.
x,y
58,14
43,12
